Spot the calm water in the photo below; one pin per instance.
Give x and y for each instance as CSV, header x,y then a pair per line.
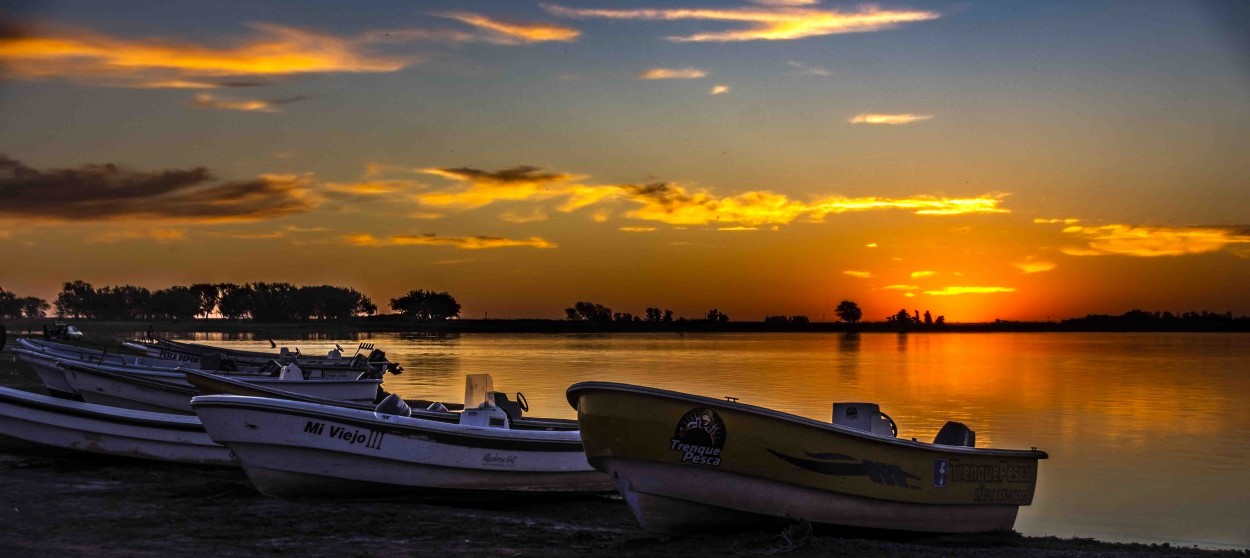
x,y
1148,434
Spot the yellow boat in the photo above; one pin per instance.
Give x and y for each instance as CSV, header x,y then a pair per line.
x,y
685,463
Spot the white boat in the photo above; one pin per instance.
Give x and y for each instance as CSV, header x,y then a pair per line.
x,y
298,448
34,423
197,355
170,392
321,368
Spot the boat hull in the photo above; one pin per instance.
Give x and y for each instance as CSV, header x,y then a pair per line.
x,y
170,392
685,463
52,377
36,423
292,448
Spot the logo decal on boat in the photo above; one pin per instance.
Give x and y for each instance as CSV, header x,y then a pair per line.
x,y
699,437
940,471
370,438
498,460
839,465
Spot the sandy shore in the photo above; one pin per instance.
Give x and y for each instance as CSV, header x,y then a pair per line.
x,y
106,507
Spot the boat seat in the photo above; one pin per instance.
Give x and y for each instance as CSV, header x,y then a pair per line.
x,y
956,434
512,408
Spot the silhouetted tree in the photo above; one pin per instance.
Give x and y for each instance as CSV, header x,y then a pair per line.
x,y
589,311
74,300
715,315
327,302
235,301
427,305
668,316
848,312
176,303
928,319
9,305
902,317
941,320
34,307
207,295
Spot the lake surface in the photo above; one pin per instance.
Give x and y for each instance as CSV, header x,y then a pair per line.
x,y
1148,434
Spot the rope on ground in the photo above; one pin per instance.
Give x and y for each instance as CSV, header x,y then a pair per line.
x,y
796,535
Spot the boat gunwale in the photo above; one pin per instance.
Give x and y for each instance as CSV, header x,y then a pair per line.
x,y
95,411
196,377
572,395
546,440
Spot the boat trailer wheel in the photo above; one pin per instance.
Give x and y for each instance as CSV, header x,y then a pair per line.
x,y
522,402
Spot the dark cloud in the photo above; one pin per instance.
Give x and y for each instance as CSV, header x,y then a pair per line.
x,y
101,192
520,173
660,193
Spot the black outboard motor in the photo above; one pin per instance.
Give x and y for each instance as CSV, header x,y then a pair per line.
x,y
394,405
512,408
956,434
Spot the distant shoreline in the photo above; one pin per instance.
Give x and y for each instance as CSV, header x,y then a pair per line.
x,y
398,324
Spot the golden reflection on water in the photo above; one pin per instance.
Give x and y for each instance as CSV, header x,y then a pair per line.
x,y
1149,434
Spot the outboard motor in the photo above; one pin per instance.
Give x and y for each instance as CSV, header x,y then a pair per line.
x,y
956,434
512,408
394,405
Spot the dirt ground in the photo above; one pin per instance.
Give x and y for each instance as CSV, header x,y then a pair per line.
x,y
82,506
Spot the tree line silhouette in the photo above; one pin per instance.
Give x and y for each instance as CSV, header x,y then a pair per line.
x,y
285,302
259,301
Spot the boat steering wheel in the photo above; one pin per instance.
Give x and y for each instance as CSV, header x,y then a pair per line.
x,y
893,427
522,402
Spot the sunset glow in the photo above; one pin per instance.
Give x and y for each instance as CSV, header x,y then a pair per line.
x,y
771,157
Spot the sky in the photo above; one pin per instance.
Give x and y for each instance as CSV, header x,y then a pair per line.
x,y
978,160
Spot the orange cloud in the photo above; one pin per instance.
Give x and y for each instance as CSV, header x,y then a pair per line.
x,y
1129,240
859,274
275,50
1056,221
902,287
210,101
373,187
894,119
737,229
951,291
1033,265
638,229
673,204
919,274
507,33
719,90
514,216
463,242
673,73
769,23
158,235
